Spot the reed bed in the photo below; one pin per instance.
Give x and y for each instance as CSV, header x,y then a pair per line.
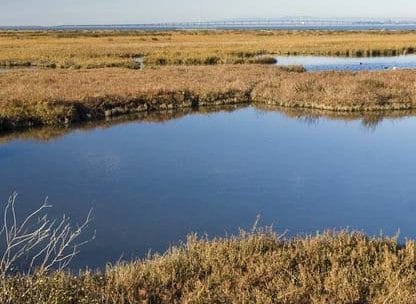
x,y
64,97
57,97
253,267
340,91
98,49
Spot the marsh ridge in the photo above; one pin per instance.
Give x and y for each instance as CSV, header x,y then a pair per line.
x,y
62,98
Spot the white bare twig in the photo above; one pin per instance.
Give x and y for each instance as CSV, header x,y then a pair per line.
x,y
48,244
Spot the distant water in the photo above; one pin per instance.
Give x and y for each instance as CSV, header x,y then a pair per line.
x,y
321,63
152,183
259,24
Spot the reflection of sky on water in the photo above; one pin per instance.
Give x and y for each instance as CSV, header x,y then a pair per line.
x,y
321,63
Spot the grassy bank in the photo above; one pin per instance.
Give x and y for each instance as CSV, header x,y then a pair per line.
x,y
98,49
258,267
63,97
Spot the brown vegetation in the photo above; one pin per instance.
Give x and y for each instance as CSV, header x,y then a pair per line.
x,y
257,267
55,97
98,49
340,91
46,97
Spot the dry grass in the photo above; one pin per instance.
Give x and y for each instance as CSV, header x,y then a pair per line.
x,y
55,97
46,97
257,267
97,49
62,97
340,91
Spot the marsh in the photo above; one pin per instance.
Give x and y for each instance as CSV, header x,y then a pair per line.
x,y
150,183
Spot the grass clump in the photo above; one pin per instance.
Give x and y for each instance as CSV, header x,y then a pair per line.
x,y
263,60
292,68
253,267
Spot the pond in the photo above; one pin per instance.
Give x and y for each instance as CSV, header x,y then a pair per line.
x,y
151,182
322,63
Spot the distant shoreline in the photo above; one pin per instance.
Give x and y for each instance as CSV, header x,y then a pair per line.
x,y
288,23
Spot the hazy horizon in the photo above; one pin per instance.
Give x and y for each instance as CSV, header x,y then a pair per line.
x,y
72,12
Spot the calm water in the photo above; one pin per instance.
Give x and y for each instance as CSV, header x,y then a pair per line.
x,y
152,183
321,63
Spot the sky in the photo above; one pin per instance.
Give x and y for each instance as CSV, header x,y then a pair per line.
x,y
67,12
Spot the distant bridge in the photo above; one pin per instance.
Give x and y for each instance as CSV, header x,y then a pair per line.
x,y
282,23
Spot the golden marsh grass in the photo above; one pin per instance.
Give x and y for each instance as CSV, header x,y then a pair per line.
x,y
255,267
97,49
62,97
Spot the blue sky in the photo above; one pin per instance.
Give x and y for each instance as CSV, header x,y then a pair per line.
x,y
55,12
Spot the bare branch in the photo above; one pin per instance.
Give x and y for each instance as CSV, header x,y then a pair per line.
x,y
48,244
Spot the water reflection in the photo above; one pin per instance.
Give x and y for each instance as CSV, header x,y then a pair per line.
x,y
328,63
153,179
44,134
369,120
